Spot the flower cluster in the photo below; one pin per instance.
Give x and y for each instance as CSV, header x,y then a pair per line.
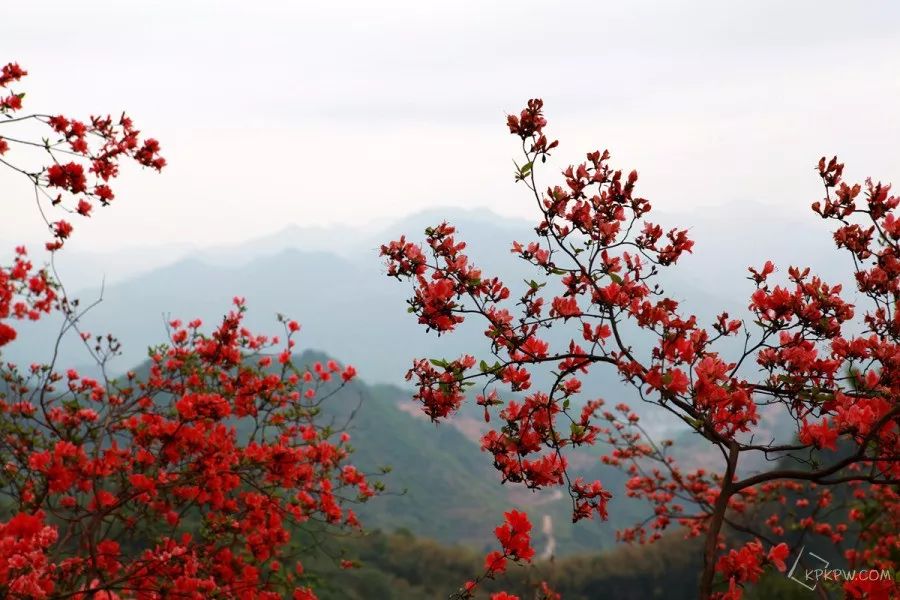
x,y
25,293
25,569
193,476
514,536
829,366
214,444
745,565
84,156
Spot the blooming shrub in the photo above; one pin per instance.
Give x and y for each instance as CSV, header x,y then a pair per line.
x,y
190,477
828,366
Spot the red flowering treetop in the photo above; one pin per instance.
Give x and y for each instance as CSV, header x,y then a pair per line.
x,y
191,478
80,158
831,368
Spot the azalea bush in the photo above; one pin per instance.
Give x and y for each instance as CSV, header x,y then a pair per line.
x,y
807,355
194,476
72,161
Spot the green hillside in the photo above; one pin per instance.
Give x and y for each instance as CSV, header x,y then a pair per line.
x,y
442,486
402,567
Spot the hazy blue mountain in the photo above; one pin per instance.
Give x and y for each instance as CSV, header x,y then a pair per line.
x,y
348,306
350,309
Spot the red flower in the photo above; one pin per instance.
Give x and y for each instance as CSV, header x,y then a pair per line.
x,y
62,229
820,435
871,588
84,208
69,176
7,334
514,536
11,103
566,307
494,562
11,72
743,564
777,554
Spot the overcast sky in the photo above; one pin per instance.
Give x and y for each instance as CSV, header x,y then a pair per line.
x,y
274,113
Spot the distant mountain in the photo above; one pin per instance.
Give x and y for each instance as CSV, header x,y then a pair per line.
x,y
348,308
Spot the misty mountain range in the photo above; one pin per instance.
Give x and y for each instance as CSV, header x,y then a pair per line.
x,y
334,283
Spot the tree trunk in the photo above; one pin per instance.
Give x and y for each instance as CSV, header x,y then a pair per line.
x,y
715,525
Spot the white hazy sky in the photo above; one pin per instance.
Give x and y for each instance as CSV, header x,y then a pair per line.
x,y
272,113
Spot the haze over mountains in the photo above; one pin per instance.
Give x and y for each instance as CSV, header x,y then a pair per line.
x,y
334,283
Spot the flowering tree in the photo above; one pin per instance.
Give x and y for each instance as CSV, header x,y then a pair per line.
x,y
78,159
188,478
832,368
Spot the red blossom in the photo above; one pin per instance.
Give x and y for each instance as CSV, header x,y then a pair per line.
x,y
116,466
826,366
84,155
